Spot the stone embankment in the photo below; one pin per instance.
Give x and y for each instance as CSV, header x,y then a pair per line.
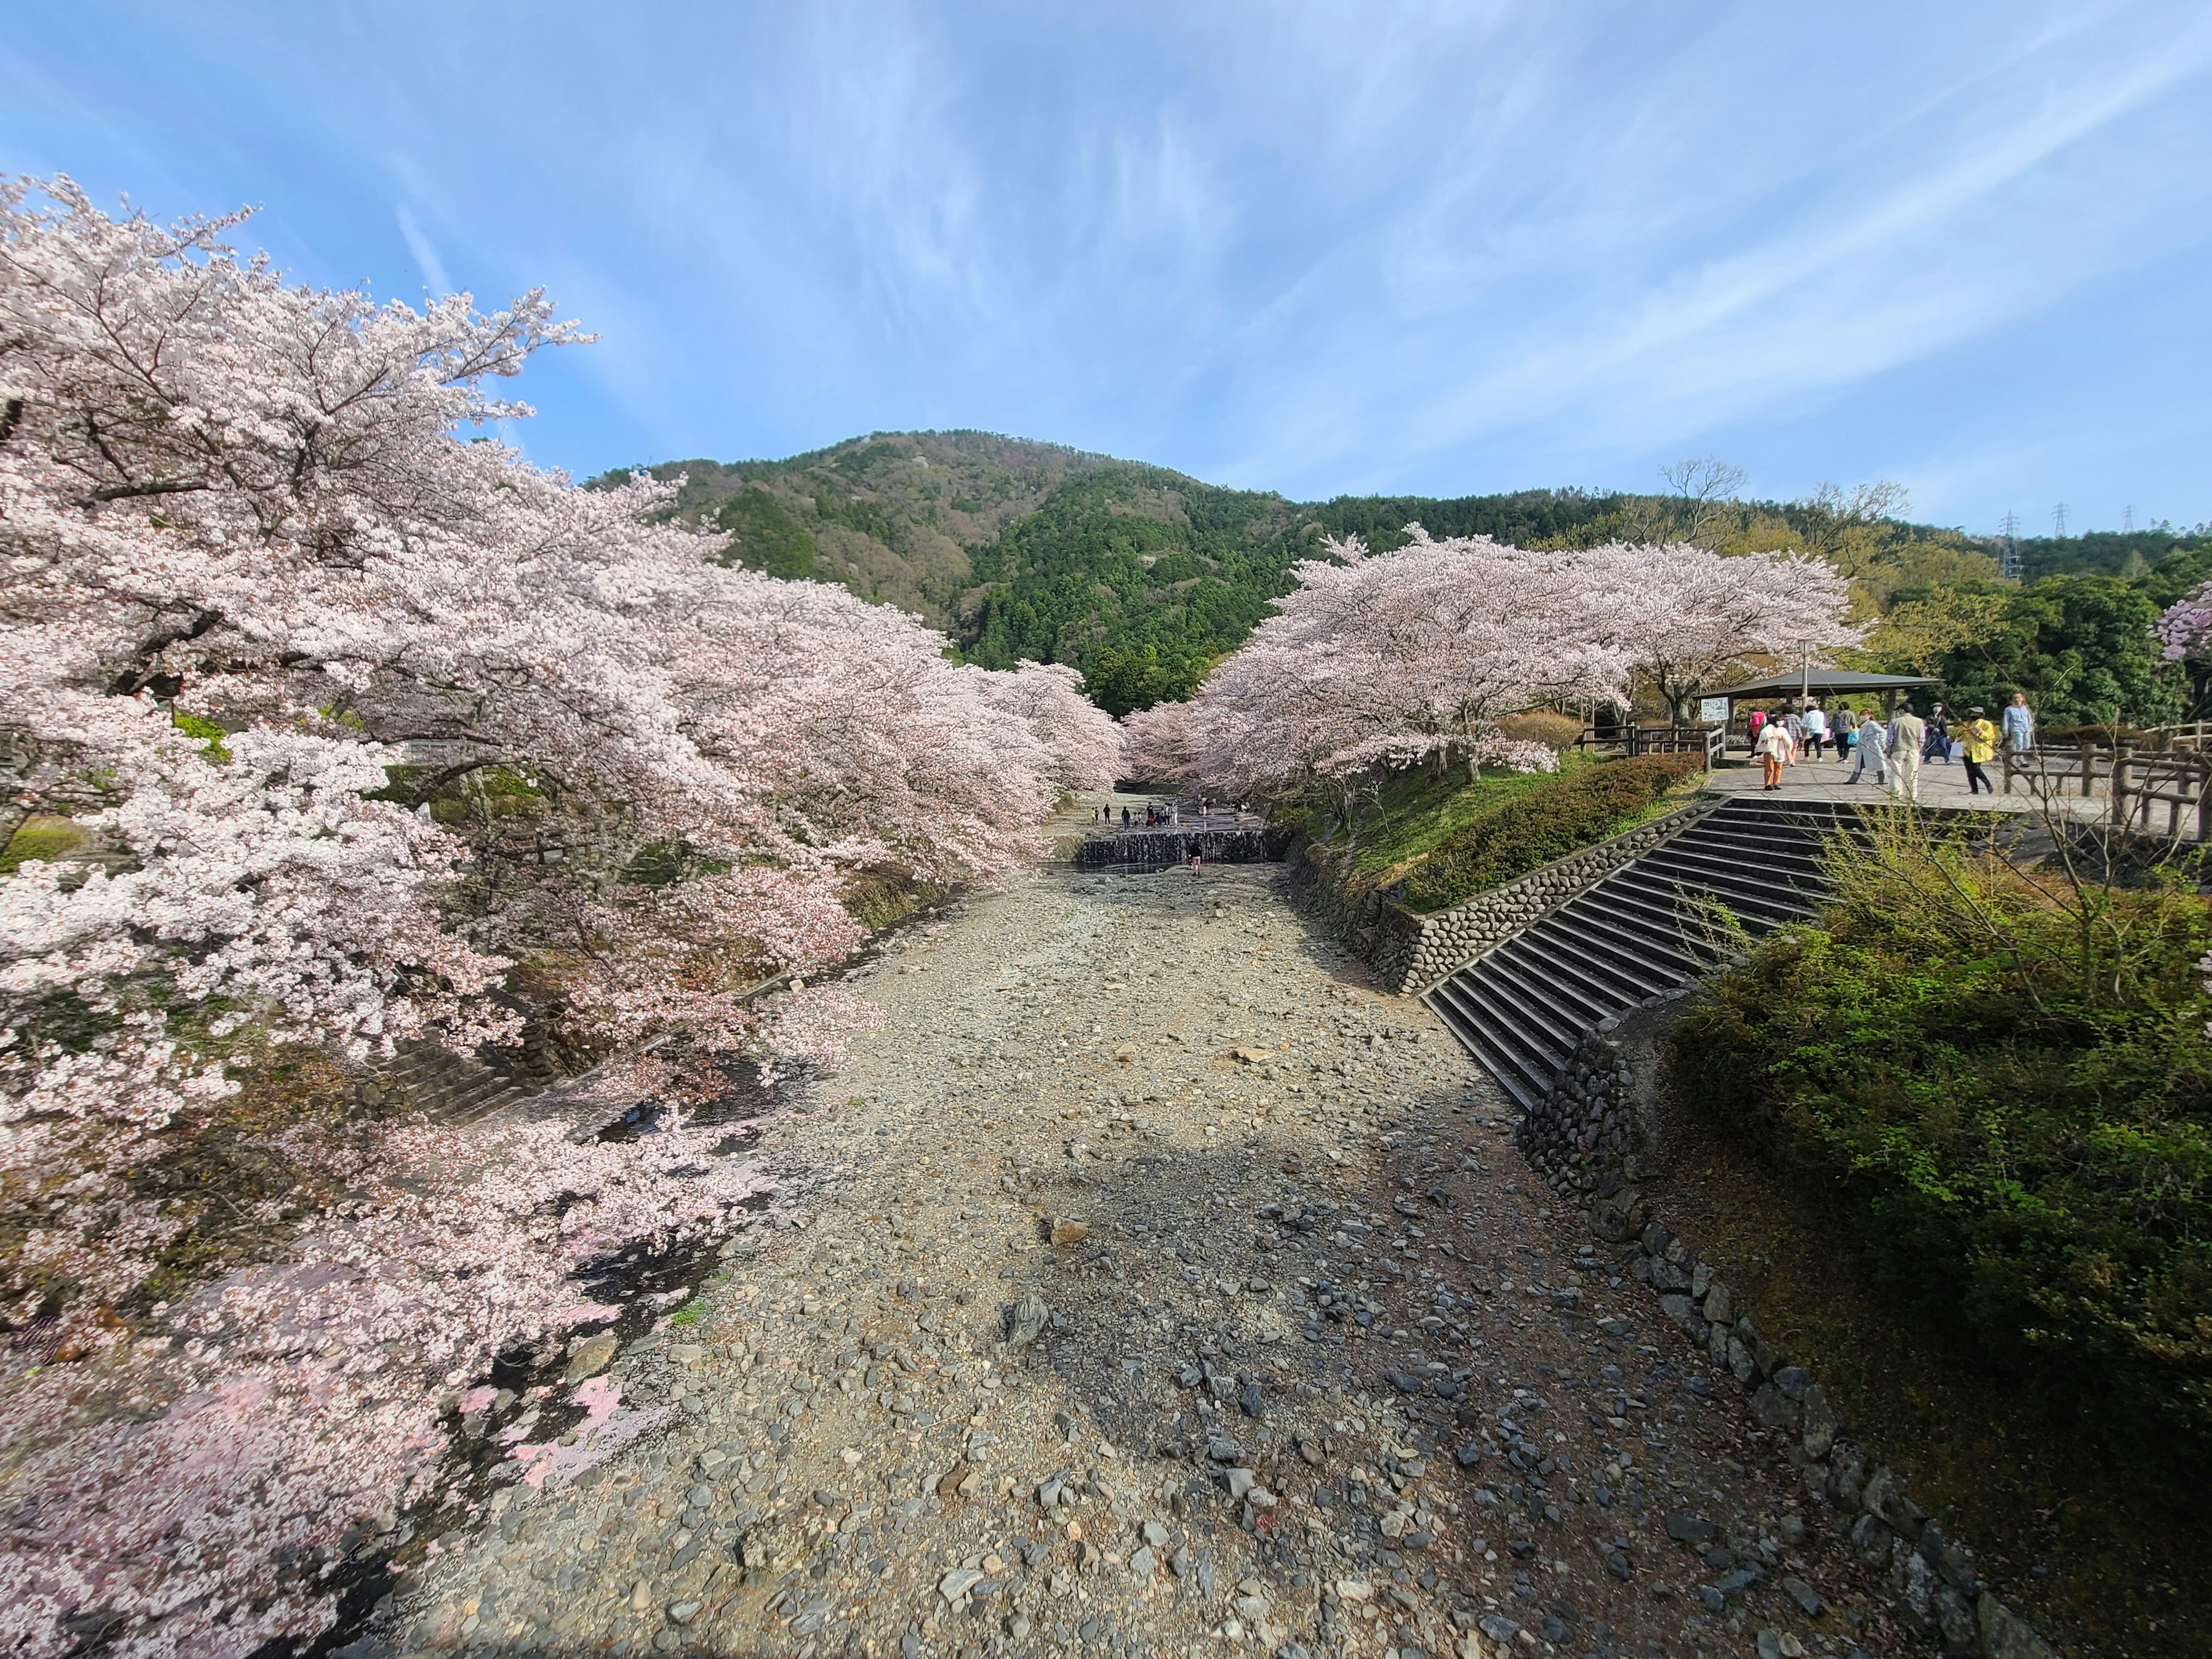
x,y
1165,1290
1588,1138
1425,949
1157,848
1410,952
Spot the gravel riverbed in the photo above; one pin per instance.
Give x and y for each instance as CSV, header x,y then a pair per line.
x,y
1160,1286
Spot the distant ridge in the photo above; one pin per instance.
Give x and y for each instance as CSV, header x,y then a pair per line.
x,y
1143,577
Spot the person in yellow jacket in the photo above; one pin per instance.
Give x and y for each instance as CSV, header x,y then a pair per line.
x,y
1979,740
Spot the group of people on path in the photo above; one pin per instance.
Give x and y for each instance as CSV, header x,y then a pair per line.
x,y
1154,816
1895,748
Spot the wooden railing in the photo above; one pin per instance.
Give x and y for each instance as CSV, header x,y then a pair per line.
x,y
2185,734
2178,779
1632,740
2176,774
2074,766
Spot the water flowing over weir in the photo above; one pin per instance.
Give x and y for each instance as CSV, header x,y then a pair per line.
x,y
1157,848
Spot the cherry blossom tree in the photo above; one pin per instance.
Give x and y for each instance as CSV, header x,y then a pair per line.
x,y
1383,660
1155,743
272,593
1694,615
2187,625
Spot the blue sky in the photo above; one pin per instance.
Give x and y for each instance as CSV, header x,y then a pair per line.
x,y
1317,249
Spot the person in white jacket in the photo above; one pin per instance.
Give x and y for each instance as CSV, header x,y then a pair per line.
x,y
1871,747
1775,750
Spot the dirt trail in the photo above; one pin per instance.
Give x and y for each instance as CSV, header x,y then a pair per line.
x,y
1317,1369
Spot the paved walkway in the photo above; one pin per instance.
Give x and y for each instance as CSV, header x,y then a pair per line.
x,y
1941,784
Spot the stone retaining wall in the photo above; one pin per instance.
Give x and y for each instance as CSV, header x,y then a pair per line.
x,y
1587,1139
1432,947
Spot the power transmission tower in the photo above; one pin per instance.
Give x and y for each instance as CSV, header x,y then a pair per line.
x,y
2128,522
2009,559
2059,521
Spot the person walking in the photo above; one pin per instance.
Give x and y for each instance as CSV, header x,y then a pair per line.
x,y
2019,725
1867,742
1978,740
1757,722
1938,744
1908,733
1773,749
1124,817
1816,729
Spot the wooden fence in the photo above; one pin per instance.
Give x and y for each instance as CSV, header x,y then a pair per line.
x,y
2178,779
1632,740
2176,774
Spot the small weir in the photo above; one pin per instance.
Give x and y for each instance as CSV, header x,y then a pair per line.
x,y
1158,848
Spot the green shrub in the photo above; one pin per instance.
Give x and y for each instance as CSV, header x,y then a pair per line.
x,y
2002,1085
1565,814
40,836
195,726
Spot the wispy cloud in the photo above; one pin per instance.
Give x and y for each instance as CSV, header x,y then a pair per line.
x,y
425,255
1306,246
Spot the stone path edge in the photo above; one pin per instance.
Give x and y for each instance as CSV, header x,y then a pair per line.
x,y
1932,1576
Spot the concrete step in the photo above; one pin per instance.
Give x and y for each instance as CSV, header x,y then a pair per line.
x,y
1521,1009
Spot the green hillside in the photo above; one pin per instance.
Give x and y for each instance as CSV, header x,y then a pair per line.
x,y
1143,578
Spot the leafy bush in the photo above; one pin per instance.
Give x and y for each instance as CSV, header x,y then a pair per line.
x,y
40,836
2002,1081
1543,726
1566,813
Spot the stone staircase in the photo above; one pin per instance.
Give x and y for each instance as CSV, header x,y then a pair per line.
x,y
1634,937
449,1088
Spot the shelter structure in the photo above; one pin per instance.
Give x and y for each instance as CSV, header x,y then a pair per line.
x,y
1823,682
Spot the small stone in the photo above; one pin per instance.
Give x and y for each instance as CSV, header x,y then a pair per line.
x,y
1820,1424
590,1358
1884,1497
957,1582
683,1613
1241,1481
1026,1320
1155,1533
2005,1634
1067,1230
1179,1564
1807,1600
948,1484
1793,1531
1685,1528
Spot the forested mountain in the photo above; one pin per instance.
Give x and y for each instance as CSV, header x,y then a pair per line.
x,y
1138,576
1143,578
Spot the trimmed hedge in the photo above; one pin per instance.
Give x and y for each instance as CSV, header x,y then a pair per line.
x,y
2013,1135
1565,815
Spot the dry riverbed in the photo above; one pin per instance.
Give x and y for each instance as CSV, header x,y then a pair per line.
x,y
1160,1287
